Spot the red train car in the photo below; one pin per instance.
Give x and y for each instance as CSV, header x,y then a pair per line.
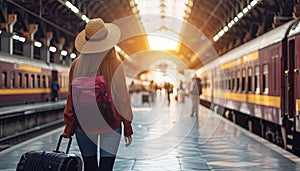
x,y
256,85
26,80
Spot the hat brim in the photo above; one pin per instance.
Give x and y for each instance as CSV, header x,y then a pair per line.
x,y
112,38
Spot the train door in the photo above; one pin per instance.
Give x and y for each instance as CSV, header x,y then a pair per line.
x,y
291,89
295,42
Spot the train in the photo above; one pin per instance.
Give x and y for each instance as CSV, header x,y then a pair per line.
x,y
257,85
25,80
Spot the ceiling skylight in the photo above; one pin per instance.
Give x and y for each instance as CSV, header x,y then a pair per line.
x,y
175,8
161,34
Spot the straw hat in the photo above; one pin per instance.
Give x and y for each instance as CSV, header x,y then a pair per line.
x,y
97,37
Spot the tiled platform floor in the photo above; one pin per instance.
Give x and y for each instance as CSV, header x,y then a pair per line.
x,y
166,138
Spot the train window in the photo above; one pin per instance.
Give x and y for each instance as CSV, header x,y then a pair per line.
x,y
238,80
256,79
4,79
44,81
229,83
20,80
32,81
208,83
216,81
265,78
60,80
205,82
48,81
12,80
26,81
225,82
243,79
221,82
233,80
65,81
249,79
38,79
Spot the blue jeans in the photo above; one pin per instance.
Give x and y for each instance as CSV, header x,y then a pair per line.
x,y
109,143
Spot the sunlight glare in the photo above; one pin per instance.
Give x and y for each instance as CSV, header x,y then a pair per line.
x,y
161,43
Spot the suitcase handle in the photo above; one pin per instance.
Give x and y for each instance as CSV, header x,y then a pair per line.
x,y
59,142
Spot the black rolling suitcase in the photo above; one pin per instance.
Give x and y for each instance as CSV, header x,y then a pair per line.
x,y
50,160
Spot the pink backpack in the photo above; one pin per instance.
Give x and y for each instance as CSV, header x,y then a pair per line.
x,y
88,92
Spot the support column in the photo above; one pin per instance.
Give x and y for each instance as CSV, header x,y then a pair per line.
x,y
69,49
28,48
45,54
57,56
296,11
6,35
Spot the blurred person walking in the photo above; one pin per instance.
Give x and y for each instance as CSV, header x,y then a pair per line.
x,y
180,93
195,92
55,89
152,91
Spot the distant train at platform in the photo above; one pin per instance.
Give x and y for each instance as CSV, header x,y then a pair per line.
x,y
257,85
25,80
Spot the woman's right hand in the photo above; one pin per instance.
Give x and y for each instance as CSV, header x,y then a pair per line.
x,y
128,140
66,135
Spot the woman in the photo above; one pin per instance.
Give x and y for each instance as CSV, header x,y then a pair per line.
x,y
97,54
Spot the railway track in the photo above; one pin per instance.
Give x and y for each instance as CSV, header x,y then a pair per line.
x,y
11,140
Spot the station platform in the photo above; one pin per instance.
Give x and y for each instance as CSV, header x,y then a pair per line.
x,y
167,138
32,107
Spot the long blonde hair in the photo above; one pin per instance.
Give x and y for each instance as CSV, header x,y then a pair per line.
x,y
88,64
109,65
